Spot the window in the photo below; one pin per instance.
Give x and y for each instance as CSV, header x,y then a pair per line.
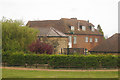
x,y
92,29
90,39
80,27
72,28
86,39
75,40
83,28
70,39
70,42
96,39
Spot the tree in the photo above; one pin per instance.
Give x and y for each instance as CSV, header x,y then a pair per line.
x,y
100,29
40,47
16,37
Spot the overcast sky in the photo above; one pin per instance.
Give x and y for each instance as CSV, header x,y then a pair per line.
x,y
103,12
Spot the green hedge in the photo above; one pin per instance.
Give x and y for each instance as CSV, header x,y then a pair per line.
x,y
16,59
77,61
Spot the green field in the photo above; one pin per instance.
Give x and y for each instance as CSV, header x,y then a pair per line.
x,y
11,73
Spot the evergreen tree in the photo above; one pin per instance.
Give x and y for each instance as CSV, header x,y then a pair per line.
x,y
100,29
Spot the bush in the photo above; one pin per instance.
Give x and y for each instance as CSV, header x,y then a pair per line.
x,y
5,57
40,47
43,59
31,59
91,61
82,61
75,61
109,61
16,59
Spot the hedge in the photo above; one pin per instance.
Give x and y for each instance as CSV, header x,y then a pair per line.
x,y
76,61
16,59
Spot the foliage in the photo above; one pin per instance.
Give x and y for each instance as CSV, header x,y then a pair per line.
x,y
75,61
16,59
40,47
30,59
43,59
81,61
16,37
100,29
5,56
109,61
52,42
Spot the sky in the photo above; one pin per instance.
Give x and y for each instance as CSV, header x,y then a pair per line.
x,y
103,12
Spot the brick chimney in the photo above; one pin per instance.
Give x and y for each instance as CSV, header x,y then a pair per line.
x,y
74,18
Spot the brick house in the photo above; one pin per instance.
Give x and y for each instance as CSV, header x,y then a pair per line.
x,y
82,34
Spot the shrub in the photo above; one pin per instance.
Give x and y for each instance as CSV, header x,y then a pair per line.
x,y
118,61
5,56
30,59
40,47
109,61
82,61
75,61
16,59
43,59
91,61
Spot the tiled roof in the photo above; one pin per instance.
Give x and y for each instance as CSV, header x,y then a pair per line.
x,y
63,25
50,31
110,45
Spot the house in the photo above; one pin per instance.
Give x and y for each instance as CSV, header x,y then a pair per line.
x,y
110,45
82,34
54,37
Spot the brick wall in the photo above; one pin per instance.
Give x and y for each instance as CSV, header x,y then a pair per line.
x,y
62,42
81,41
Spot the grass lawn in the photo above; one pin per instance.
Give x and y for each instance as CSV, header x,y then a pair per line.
x,y
11,73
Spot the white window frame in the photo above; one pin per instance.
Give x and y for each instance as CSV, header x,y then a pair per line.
x,y
92,28
75,40
72,28
70,42
83,28
91,40
86,39
96,39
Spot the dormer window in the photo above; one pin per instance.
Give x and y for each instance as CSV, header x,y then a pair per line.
x,y
72,28
83,28
92,29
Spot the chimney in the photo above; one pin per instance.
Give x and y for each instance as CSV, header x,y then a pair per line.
x,y
79,25
74,18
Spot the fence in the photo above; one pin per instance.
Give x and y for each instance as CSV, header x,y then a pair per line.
x,y
70,51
